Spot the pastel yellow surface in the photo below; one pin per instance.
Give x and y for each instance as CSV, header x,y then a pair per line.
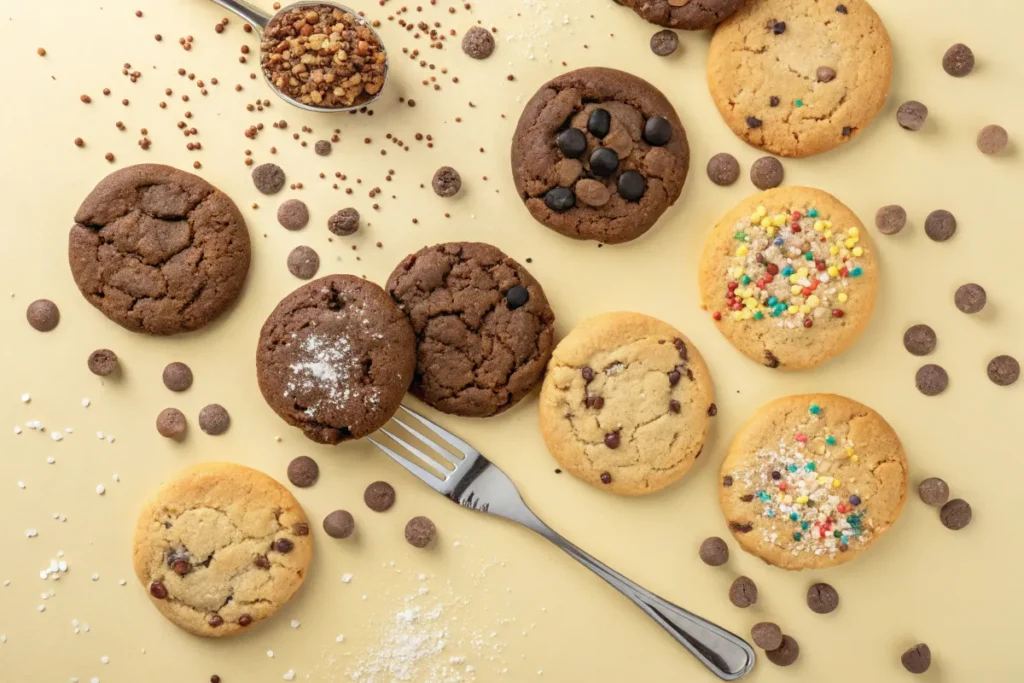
x,y
921,583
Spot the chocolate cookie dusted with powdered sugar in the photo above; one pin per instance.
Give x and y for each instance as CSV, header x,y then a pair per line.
x,y
335,358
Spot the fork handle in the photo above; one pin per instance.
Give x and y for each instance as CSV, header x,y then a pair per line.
x,y
728,656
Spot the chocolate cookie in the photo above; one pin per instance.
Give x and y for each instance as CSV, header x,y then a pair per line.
x,y
158,250
484,329
599,154
335,358
689,15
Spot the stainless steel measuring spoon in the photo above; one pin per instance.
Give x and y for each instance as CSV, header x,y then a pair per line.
x,y
260,20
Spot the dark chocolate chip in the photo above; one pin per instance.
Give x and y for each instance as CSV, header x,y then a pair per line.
x,y
890,219
992,139
177,376
517,296
303,262
847,131
933,491
339,524
215,621
599,123
825,74
970,298
244,620
911,115
588,374
1003,370
747,497
344,222
560,199
158,590
956,514
917,659
713,551
841,9
657,131
773,101
740,527
420,531
940,225
766,173
822,598
664,43
723,169
102,362
727,481
283,545
262,562
181,567
919,340
743,592
42,315
595,402
753,122
293,214
673,377
712,410
632,186
606,478
787,653
766,635
779,27
770,360
379,496
673,406
931,380
300,529
572,143
478,43
958,60
214,419
604,162
612,440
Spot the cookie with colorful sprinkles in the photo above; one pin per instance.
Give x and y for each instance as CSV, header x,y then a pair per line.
x,y
812,481
790,277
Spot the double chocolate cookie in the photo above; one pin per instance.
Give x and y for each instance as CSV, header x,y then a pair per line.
x,y
599,154
689,15
158,250
484,329
335,358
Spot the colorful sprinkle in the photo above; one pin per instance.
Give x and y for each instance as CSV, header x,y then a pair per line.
x,y
798,103
830,440
815,409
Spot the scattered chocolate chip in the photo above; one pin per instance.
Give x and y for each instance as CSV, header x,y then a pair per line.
x,y
919,340
631,186
447,182
612,440
657,131
743,592
420,531
303,262
917,659
606,478
713,551
766,173
940,225
293,214
604,162
825,74
664,43
753,122
727,481
517,296
379,496
244,620
1003,370
214,419
572,142
177,376
788,652
215,678
970,298
766,635
599,123
956,514
778,27
931,380
215,621
171,423
102,362
890,219
958,60
158,590
911,115
822,598
339,524
303,471
42,315
344,222
993,139
478,43
560,199
723,169
268,178
322,147
282,545
933,491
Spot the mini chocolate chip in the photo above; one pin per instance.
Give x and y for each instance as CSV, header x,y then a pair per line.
x,y
673,377
379,496
766,173
42,315
890,219
753,122
420,531
770,360
992,139
606,478
572,143
940,225
743,592
283,545
933,491
158,590
822,598
931,380
741,528
599,123
516,297
776,475
214,419
604,162
177,376
215,621
787,653
779,27
612,440
588,374
664,43
262,562
631,186
300,529
712,410
727,481
841,9
595,402
970,298
958,60
773,101
713,551
911,115
747,497
102,362
339,524
847,131
825,74
181,567
956,514
723,169
917,659
674,406
1003,370
919,340
766,635
657,131
560,199
244,620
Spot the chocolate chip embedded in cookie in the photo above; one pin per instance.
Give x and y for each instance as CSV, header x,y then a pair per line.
x,y
599,127
625,403
484,329
790,277
335,358
688,15
158,250
220,547
804,89
814,481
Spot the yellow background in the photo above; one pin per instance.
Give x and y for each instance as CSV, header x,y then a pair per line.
x,y
955,591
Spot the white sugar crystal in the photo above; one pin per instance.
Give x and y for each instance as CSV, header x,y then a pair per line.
x,y
95,576
17,429
110,438
340,638
270,653
117,477
25,398
99,435
121,582
31,533
289,675
85,403
21,484
346,578
295,623
56,436
41,608
100,489
51,460
104,660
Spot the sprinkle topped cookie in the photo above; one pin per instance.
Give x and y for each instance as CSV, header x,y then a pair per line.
x,y
790,277
800,77
811,481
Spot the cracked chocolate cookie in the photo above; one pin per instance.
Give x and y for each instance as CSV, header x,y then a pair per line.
x,y
800,77
812,481
158,250
599,154
626,403
335,358
790,277
484,329
220,547
689,15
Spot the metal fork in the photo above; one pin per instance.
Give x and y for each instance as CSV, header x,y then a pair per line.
x,y
478,484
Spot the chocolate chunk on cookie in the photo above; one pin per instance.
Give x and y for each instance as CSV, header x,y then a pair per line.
x,y
632,143
335,358
688,15
158,250
484,329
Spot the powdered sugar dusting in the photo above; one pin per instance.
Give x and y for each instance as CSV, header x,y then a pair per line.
x,y
325,368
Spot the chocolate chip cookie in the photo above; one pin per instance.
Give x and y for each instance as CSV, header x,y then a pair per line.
x,y
813,481
689,15
335,358
626,403
599,154
790,277
800,77
484,329
220,547
158,250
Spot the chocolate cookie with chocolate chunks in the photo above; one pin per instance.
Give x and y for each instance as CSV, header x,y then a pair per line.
x,y
688,15
158,250
599,154
484,329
